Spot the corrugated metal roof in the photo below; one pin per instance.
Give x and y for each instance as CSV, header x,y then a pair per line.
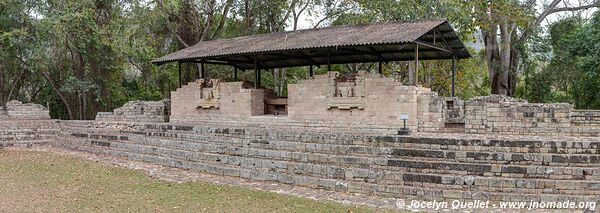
x,y
337,36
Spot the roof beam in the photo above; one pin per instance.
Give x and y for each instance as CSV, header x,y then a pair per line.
x,y
427,44
423,51
404,57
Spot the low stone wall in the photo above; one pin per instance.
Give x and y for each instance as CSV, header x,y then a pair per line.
x,y
17,110
363,99
215,100
429,167
585,118
28,133
454,110
140,111
501,114
430,112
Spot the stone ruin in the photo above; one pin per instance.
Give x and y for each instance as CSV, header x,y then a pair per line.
x,y
26,125
585,118
139,111
501,114
330,139
364,100
209,94
17,110
454,110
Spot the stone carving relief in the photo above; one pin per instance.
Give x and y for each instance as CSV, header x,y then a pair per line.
x,y
346,91
209,94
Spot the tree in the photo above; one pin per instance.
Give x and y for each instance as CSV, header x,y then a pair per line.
x,y
507,26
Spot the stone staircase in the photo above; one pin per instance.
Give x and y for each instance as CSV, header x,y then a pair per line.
x,y
430,167
27,133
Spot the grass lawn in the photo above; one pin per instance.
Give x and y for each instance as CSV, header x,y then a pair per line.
x,y
34,181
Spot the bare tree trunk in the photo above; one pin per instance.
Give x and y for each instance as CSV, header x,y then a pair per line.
x,y
492,57
62,97
14,85
505,56
84,105
210,6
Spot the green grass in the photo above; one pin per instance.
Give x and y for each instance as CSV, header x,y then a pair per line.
x,y
34,181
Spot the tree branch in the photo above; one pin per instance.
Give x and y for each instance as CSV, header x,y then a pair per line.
x,y
565,9
161,4
223,17
545,13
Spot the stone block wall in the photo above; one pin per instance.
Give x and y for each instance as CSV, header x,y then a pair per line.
x,y
28,133
202,100
454,110
427,166
430,112
16,110
585,118
26,125
366,99
501,114
139,111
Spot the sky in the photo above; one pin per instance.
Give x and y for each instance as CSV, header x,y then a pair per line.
x,y
308,21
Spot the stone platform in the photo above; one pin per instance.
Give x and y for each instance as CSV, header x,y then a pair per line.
x,y
426,165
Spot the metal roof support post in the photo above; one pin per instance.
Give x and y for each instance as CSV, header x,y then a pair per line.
x,y
256,71
328,60
380,68
202,71
259,77
179,69
310,71
453,73
416,82
234,73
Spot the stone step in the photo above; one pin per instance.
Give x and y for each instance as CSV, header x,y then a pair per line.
x,y
582,160
503,185
505,158
383,164
26,143
420,164
436,144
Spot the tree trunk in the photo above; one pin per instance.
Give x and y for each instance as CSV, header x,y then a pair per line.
x,y
492,57
14,85
505,56
62,97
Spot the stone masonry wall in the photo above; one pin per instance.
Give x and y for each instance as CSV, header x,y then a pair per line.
x,y
430,112
139,111
501,114
26,125
198,101
454,110
28,133
429,167
585,118
367,99
16,110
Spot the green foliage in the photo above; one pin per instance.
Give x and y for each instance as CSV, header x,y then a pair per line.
x,y
572,72
82,57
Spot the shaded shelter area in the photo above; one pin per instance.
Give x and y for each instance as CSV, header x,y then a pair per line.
x,y
428,39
